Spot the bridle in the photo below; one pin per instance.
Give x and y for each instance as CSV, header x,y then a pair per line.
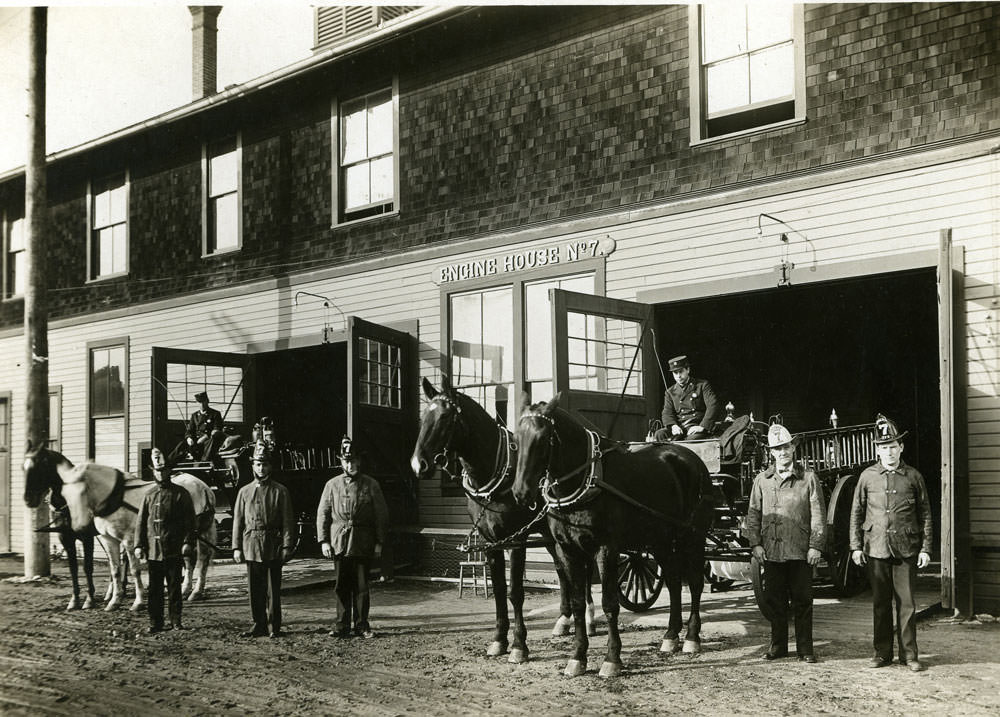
x,y
500,478
589,487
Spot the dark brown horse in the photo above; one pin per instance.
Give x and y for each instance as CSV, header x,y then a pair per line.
x,y
604,497
39,483
454,423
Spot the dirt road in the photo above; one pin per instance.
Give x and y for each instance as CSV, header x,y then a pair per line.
x,y
429,658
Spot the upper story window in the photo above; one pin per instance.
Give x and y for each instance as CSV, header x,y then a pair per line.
x,y
222,196
108,227
750,68
15,258
367,182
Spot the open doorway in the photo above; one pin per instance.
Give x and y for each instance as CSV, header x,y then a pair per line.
x,y
860,346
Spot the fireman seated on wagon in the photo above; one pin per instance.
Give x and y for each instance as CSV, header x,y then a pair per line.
x,y
203,434
690,408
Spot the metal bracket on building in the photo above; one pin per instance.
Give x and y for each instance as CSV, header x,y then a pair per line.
x,y
786,266
327,303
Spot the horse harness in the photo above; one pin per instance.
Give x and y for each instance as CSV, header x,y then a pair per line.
x,y
115,499
594,483
502,464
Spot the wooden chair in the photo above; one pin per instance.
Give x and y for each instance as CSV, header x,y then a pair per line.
x,y
475,563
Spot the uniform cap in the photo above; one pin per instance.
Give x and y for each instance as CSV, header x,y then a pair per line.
x,y
778,435
886,430
679,362
201,396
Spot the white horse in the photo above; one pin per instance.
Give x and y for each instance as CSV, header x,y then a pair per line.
x,y
104,495
196,566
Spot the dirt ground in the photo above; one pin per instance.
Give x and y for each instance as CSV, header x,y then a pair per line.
x,y
429,659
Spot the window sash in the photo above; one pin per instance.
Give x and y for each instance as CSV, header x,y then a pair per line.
x,y
109,227
17,258
224,385
366,153
107,382
747,71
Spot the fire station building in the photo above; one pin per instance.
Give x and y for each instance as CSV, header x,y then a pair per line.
x,y
804,201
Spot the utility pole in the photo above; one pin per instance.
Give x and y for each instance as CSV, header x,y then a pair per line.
x,y
36,316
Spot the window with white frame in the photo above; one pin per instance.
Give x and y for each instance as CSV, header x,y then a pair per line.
x,y
108,400
222,196
366,181
489,326
747,67
109,227
15,265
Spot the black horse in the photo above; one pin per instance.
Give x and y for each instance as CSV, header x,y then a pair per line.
x,y
604,497
37,484
454,423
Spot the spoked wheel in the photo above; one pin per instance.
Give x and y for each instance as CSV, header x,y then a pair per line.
x,y
847,578
757,578
639,580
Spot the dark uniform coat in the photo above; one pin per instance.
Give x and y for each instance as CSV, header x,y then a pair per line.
x,y
891,514
692,404
203,423
166,522
352,516
263,522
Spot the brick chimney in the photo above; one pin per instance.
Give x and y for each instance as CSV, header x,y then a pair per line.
x,y
204,44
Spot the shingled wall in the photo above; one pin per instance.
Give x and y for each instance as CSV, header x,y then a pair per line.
x,y
511,117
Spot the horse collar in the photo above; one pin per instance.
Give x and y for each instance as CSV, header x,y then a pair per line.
x,y
588,488
115,499
501,470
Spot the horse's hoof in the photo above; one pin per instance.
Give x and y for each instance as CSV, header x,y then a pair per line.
x,y
110,606
610,669
575,668
669,645
496,649
134,607
88,603
591,629
518,656
562,627
692,647
196,595
73,604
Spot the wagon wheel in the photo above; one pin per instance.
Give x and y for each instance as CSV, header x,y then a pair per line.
x,y
847,578
757,578
639,580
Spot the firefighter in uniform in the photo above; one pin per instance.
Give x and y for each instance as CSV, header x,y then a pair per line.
x,y
690,408
891,532
352,524
164,534
786,525
204,430
264,536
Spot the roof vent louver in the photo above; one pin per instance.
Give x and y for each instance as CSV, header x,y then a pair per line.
x,y
335,24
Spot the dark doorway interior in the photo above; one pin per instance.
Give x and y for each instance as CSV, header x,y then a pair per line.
x,y
305,391
860,346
